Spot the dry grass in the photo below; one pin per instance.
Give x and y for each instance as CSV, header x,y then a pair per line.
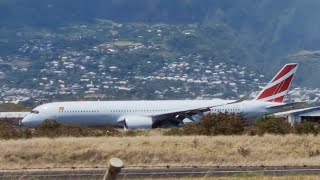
x,y
268,150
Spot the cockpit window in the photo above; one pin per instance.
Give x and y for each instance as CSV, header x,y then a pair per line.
x,y
35,112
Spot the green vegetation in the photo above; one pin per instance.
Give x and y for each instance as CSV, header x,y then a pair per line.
x,y
10,107
308,128
234,124
210,125
222,124
50,128
273,125
7,131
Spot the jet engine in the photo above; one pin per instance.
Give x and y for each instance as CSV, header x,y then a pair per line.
x,y
138,122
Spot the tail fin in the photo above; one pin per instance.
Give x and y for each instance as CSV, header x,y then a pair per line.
x,y
277,88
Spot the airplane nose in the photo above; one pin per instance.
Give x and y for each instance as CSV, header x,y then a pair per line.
x,y
25,120
29,121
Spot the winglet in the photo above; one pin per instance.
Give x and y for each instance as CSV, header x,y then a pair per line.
x,y
244,98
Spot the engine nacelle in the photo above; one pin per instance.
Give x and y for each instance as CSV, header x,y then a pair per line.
x,y
138,122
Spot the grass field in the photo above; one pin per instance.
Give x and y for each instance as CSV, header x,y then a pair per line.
x,y
155,150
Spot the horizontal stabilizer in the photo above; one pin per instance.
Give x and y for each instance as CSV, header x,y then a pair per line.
x,y
289,106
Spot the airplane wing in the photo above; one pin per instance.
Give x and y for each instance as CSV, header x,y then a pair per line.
x,y
289,106
185,113
174,115
181,113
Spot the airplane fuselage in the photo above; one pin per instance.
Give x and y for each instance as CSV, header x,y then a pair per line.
x,y
103,113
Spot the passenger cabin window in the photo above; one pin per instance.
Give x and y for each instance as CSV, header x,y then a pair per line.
x,y
35,112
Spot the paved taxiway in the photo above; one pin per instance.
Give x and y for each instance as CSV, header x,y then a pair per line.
x,y
157,172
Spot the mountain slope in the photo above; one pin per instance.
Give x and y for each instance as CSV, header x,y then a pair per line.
x,y
262,34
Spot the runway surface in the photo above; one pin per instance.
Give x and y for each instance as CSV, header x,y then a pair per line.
x,y
128,173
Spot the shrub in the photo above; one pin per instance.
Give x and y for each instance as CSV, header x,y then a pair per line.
x,y
273,125
7,131
74,131
27,133
307,128
222,124
213,124
51,128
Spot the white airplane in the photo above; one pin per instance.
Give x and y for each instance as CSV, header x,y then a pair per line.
x,y
149,114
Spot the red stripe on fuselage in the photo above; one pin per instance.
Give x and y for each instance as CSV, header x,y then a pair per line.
x,y
284,71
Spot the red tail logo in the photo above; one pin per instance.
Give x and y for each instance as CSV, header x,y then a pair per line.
x,y
277,88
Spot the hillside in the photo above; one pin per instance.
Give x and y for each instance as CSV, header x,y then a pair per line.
x,y
259,34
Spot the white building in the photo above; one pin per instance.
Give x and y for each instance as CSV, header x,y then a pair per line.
x,y
301,115
12,115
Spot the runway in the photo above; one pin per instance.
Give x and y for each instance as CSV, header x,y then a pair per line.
x,y
129,173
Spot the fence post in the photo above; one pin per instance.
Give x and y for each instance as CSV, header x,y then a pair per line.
x,y
115,166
